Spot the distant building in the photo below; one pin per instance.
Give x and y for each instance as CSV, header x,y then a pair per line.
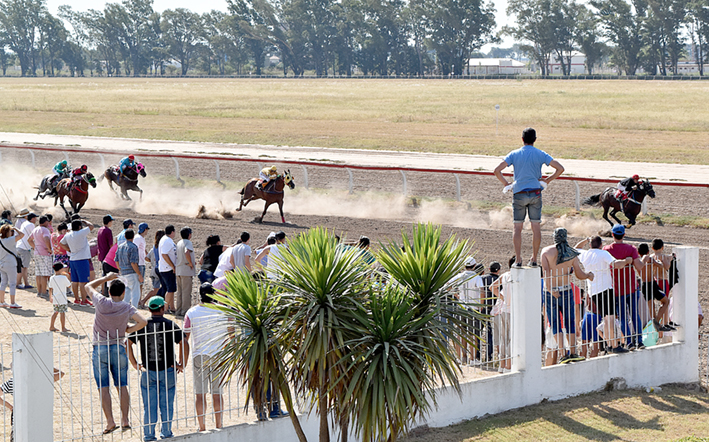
x,y
490,66
578,63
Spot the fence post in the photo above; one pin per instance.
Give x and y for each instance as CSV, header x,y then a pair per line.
x,y
33,373
685,294
643,207
66,157
177,171
103,162
33,159
351,181
457,187
403,177
219,175
525,319
305,176
577,201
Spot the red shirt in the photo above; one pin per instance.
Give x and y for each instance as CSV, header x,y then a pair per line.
x,y
624,280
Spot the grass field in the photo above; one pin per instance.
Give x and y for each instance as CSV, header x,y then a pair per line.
x,y
674,414
655,121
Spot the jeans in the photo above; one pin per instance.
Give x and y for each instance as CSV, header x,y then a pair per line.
x,y
158,392
132,288
627,307
564,304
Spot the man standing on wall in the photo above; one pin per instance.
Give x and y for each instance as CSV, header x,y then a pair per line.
x,y
527,188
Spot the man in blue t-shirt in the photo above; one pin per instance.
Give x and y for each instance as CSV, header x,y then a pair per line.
x,y
527,188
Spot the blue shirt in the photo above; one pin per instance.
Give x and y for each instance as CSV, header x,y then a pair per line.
x,y
527,162
126,254
121,238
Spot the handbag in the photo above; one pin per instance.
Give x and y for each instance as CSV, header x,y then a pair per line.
x,y
19,261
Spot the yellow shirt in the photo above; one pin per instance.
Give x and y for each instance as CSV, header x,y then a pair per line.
x,y
269,172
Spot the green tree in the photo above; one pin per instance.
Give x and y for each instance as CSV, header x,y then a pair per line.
x,y
19,23
534,29
623,26
182,31
588,38
671,16
698,21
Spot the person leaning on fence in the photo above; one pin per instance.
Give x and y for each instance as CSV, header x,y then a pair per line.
x,y
600,289
208,329
184,271
488,301
558,263
109,354
625,288
527,189
467,290
651,289
158,367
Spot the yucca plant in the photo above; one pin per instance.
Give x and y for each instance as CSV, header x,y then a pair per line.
x,y
255,353
324,286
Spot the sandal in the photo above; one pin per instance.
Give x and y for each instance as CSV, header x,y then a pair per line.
x,y
110,430
125,427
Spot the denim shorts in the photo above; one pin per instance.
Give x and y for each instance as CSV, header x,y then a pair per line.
x,y
110,359
523,203
562,306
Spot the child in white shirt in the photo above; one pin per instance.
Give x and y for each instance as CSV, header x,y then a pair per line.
x,y
58,285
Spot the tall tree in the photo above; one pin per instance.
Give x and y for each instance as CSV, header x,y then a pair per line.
x,y
698,20
623,26
19,24
671,16
588,38
533,25
182,31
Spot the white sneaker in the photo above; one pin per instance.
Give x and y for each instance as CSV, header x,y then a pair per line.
x,y
15,306
477,362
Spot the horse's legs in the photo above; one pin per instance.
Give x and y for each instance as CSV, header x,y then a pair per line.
x,y
265,208
280,207
615,217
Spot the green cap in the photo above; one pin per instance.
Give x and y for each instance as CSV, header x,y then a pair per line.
x,y
156,302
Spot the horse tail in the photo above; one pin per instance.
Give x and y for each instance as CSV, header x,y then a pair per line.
x,y
592,200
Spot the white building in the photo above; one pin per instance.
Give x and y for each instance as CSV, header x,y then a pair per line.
x,y
578,63
489,66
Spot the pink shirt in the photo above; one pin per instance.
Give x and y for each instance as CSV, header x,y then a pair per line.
x,y
40,246
110,258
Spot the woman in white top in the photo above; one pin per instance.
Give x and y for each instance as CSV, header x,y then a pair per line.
x,y
9,236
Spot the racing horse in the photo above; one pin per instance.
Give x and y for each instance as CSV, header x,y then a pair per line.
x,y
129,180
273,193
77,194
48,186
630,207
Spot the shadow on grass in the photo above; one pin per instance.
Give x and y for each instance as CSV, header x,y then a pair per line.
x,y
601,416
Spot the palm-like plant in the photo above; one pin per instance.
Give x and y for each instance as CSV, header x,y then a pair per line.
x,y
255,352
323,287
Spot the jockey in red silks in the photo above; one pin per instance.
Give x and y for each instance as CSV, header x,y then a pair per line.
x,y
626,186
78,173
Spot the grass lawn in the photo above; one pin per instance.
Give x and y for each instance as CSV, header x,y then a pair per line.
x,y
655,121
674,414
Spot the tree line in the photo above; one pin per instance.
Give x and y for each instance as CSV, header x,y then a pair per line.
x,y
337,37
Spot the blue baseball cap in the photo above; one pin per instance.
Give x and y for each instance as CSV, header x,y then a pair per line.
x,y
618,229
142,227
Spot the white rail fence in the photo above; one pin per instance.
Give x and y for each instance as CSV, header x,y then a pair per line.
x,y
70,409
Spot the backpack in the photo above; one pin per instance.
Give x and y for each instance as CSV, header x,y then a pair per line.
x,y
674,271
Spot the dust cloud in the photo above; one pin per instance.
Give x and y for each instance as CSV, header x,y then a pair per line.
x,y
581,227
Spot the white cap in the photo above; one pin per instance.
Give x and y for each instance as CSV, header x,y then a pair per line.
x,y
470,262
271,235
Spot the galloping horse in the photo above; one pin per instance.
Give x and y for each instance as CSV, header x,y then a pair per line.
x,y
129,180
47,187
273,193
77,194
631,207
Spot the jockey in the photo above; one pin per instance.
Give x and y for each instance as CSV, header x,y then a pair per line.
x,y
61,170
128,161
77,173
626,186
267,174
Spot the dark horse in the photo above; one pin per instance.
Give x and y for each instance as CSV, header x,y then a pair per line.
x,y
129,180
77,193
631,207
272,194
48,186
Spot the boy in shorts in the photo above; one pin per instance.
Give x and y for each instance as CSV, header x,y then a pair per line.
x,y
58,286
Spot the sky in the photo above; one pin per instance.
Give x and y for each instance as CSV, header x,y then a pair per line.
x,y
208,5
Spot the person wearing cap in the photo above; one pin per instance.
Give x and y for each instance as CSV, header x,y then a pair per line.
x,y
158,367
58,285
127,259
527,162
272,253
104,238
467,286
41,240
208,329
128,161
559,261
184,272
25,222
127,224
625,287
626,186
77,244
139,241
267,174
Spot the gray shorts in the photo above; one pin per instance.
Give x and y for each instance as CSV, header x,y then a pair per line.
x,y
25,256
523,203
204,379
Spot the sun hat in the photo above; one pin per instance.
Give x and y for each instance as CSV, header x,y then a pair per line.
x,y
23,213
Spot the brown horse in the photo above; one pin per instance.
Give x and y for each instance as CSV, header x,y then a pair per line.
x,y
127,181
272,194
77,193
631,207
